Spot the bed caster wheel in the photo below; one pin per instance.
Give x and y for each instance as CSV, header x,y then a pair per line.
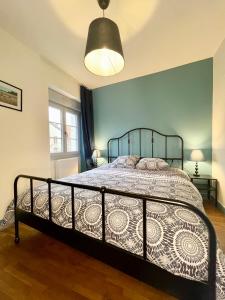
x,y
17,240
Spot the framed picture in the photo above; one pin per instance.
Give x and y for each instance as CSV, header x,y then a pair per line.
x,y
10,96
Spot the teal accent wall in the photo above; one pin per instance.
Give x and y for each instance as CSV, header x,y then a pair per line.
x,y
175,101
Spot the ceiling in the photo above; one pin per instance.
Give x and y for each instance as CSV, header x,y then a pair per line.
x,y
156,34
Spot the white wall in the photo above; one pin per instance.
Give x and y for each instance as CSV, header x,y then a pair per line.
x,y
24,144
218,123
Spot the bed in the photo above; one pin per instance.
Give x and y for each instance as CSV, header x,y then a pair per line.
x,y
149,224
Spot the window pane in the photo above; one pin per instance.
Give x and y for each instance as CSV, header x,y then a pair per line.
x,y
71,132
55,145
55,130
71,119
54,114
72,145
63,130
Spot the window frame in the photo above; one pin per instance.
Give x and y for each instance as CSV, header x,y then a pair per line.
x,y
65,154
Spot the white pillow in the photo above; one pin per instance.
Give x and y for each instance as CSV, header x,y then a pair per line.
x,y
128,162
152,164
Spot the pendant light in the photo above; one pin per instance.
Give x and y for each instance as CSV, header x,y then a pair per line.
x,y
104,53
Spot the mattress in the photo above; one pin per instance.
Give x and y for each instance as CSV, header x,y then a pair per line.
x,y
177,239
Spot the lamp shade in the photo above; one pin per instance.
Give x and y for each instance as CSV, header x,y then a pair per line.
x,y
104,53
197,155
96,153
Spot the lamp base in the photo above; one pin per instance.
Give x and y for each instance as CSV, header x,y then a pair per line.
x,y
196,175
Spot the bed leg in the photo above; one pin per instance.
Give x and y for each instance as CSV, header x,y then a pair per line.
x,y
17,237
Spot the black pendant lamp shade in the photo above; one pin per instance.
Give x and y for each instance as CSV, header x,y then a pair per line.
x,y
104,53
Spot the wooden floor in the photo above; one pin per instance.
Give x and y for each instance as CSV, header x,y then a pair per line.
x,y
43,268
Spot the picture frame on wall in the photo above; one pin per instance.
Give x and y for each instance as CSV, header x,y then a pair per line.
x,y
10,96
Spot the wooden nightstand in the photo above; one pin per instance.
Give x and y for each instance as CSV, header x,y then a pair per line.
x,y
206,184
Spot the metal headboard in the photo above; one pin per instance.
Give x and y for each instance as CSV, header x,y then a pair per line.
x,y
153,137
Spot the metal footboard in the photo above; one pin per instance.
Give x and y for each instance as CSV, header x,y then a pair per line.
x,y
210,283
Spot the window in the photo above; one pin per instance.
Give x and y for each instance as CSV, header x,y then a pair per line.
x,y
55,130
63,131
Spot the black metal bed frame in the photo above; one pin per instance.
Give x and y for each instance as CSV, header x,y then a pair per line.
x,y
153,136
137,266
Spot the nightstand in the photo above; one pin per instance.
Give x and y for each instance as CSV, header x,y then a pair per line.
x,y
206,184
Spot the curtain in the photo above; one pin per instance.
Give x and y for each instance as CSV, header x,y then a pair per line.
x,y
87,127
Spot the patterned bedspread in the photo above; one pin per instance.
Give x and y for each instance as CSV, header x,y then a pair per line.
x,y
177,239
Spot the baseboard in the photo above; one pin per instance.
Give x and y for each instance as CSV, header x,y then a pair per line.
x,y
221,207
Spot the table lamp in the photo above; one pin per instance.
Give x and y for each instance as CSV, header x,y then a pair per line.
x,y
196,155
95,155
